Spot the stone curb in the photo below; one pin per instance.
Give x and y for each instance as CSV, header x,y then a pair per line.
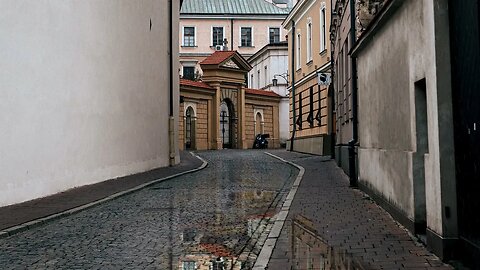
x,y
267,249
38,222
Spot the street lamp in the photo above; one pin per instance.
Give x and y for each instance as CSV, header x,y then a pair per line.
x,y
283,75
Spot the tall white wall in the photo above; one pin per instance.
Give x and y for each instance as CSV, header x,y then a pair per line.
x,y
276,61
83,93
404,51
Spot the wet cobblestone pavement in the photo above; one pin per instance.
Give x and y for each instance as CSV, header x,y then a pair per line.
x,y
222,213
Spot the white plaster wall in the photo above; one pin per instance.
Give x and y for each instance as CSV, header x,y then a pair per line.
x,y
84,93
277,63
400,54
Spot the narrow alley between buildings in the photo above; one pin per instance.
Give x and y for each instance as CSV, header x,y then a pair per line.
x,y
246,210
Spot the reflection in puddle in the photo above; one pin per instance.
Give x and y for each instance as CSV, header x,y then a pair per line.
x,y
227,236
310,251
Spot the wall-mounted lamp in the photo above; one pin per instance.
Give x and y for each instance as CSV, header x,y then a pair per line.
x,y
283,75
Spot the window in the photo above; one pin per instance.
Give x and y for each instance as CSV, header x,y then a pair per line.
x,y
258,79
189,73
347,60
274,34
299,117
266,76
251,81
246,36
346,91
299,51
259,124
217,36
318,117
189,266
189,114
323,33
309,40
310,114
189,36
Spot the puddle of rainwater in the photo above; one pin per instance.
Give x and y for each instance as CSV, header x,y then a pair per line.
x,y
311,251
227,240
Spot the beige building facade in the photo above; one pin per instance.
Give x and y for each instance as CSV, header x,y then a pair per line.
x,y
220,112
311,125
83,97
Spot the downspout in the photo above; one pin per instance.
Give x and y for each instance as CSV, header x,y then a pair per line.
x,y
293,87
354,141
231,34
171,119
332,88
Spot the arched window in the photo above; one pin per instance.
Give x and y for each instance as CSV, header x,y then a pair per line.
x,y
189,128
259,122
225,123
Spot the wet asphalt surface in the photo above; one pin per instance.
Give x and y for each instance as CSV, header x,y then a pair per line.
x,y
220,215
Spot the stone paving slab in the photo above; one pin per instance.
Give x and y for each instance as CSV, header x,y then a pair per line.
x,y
17,214
348,220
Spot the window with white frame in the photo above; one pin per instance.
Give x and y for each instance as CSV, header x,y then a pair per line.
x,y
323,30
251,81
309,40
246,36
299,51
217,35
274,34
189,36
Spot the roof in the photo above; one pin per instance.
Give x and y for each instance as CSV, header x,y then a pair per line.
x,y
282,45
261,92
227,59
224,7
217,57
297,10
186,82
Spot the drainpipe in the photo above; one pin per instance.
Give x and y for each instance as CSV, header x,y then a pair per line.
x,y
293,87
332,88
171,119
354,141
231,34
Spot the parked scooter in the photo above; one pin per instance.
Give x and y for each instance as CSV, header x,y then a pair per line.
x,y
261,141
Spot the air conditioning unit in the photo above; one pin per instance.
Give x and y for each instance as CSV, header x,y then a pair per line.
x,y
324,78
218,48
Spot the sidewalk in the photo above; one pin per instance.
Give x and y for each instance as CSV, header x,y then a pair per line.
x,y
18,214
341,224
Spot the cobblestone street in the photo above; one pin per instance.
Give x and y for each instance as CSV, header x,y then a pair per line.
x,y
222,211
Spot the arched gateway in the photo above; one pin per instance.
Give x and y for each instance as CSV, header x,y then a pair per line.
x,y
225,111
